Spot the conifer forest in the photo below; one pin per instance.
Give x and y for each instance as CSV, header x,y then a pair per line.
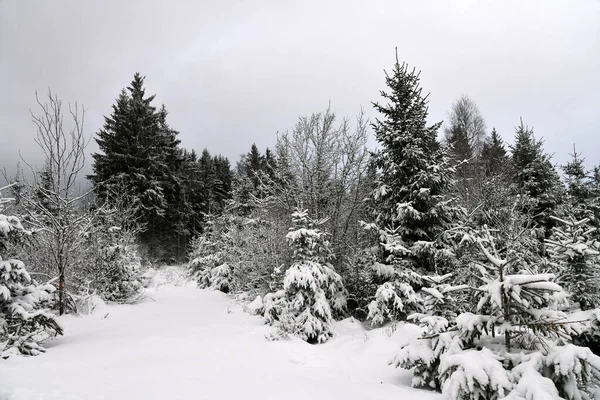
x,y
378,255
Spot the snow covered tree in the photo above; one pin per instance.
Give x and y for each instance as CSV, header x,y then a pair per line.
x,y
467,125
494,158
582,190
535,178
115,267
517,338
24,304
207,257
414,174
312,290
139,154
395,298
440,304
321,166
575,253
52,201
465,137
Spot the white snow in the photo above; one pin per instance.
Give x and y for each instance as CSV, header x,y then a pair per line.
x,y
186,343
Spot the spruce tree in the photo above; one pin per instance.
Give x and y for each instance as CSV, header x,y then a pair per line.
x,y
575,253
535,178
414,173
494,158
581,190
140,157
312,290
515,340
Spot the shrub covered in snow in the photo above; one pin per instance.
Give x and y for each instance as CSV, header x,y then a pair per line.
x,y
23,303
206,256
438,312
233,255
312,289
517,332
116,271
120,280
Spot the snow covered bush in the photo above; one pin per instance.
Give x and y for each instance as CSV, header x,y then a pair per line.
x,y
517,330
208,259
474,374
23,303
575,254
120,280
439,300
273,307
312,290
204,257
234,254
114,272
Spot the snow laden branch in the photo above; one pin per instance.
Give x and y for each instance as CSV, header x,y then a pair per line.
x,y
24,314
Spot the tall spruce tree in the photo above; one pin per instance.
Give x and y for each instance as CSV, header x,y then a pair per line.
x,y
414,173
139,157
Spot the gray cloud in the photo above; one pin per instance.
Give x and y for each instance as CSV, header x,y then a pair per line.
x,y
234,72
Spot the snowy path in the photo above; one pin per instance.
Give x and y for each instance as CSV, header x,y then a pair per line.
x,y
196,344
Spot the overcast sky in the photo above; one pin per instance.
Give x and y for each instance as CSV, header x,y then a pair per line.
x,y
236,72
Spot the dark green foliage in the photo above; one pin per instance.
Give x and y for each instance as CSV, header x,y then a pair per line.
x,y
255,172
170,188
494,158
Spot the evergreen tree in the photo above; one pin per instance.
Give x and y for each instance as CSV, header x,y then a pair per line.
x,y
535,178
494,157
575,252
312,290
461,150
24,304
515,344
193,197
414,174
582,190
223,182
496,194
140,157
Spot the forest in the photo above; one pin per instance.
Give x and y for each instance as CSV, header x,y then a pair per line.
x,y
489,247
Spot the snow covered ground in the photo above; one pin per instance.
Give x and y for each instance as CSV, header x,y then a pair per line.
x,y
196,344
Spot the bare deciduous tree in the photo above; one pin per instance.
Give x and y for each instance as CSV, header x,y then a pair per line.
x,y
52,199
465,135
326,165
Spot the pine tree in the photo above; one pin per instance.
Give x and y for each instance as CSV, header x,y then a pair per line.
x,y
494,157
140,157
515,344
116,264
535,178
461,150
312,290
415,174
581,190
575,252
